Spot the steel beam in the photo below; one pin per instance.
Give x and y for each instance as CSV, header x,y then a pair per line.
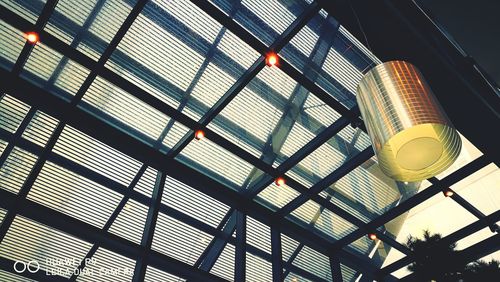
x,y
149,227
336,270
277,261
241,247
208,258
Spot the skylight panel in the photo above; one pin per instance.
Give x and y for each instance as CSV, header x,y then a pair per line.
x,y
42,61
275,197
74,195
252,113
3,144
27,240
276,79
75,12
45,65
362,245
326,158
190,201
233,133
11,44
370,187
160,50
275,14
237,50
298,137
347,272
213,83
108,266
342,70
29,10
266,20
305,40
16,169
258,235
216,162
96,156
2,214
293,277
126,108
301,176
12,112
154,275
314,262
224,266
351,206
189,14
146,183
11,277
319,111
258,269
40,128
130,222
110,17
333,225
288,247
306,212
174,134
71,77
482,182
179,240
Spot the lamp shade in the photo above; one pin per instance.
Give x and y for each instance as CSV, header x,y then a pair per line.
x,y
411,135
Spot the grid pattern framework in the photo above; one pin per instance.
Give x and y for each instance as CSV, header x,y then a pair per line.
x,y
98,159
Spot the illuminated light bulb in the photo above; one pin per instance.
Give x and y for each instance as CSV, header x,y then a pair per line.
x,y
32,37
280,181
406,182
448,193
199,134
271,59
372,236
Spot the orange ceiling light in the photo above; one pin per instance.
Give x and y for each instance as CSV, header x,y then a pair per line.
x,y
199,134
448,193
372,236
272,59
32,37
280,181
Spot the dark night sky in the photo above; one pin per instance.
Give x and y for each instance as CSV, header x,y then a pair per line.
x,y
475,25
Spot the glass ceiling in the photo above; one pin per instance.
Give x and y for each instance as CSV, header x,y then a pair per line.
x,y
179,66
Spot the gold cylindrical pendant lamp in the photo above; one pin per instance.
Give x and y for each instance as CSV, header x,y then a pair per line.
x,y
411,135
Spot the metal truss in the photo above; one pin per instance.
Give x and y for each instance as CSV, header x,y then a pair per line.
x,y
146,150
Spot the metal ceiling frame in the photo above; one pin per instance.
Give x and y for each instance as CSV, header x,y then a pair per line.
x,y
242,201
